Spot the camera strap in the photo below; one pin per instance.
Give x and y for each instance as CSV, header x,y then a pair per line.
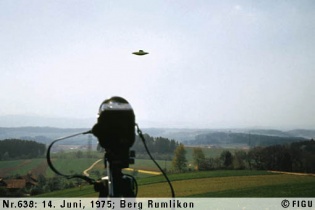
x,y
87,179
92,181
147,149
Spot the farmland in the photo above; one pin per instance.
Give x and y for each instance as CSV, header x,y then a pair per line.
x,y
73,162
214,183
234,183
21,167
229,186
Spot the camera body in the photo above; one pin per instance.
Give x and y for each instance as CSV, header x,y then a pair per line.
x,y
115,130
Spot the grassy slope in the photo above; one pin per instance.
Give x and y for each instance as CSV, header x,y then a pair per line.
x,y
236,186
21,167
229,183
215,184
304,189
70,164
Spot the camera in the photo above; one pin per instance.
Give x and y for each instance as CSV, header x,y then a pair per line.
x,y
115,130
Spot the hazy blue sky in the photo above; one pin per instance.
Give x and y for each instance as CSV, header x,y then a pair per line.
x,y
211,63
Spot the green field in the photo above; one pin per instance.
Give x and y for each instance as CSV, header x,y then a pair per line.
x,y
71,166
22,167
216,183
40,166
233,183
68,163
236,186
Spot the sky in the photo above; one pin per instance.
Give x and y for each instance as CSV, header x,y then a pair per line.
x,y
211,63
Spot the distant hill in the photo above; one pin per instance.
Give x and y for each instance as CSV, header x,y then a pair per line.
x,y
43,134
241,139
249,137
185,135
303,133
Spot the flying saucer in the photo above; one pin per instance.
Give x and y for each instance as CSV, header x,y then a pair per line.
x,y
140,52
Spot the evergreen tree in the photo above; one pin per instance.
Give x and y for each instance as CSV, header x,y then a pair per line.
x,y
227,158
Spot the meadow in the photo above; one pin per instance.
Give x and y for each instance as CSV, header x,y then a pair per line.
x,y
22,167
225,183
75,162
215,183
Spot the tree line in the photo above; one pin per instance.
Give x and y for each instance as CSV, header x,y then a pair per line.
x,y
160,147
20,149
294,157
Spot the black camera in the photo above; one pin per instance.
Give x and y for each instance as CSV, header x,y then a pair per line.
x,y
115,130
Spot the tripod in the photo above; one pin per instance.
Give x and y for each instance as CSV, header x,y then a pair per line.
x,y
115,184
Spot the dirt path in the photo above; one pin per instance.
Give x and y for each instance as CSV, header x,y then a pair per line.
x,y
85,172
144,171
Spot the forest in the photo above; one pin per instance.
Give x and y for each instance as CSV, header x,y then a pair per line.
x,y
21,149
294,157
159,147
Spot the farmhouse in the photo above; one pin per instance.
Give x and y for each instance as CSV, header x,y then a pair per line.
x,y
19,183
14,184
